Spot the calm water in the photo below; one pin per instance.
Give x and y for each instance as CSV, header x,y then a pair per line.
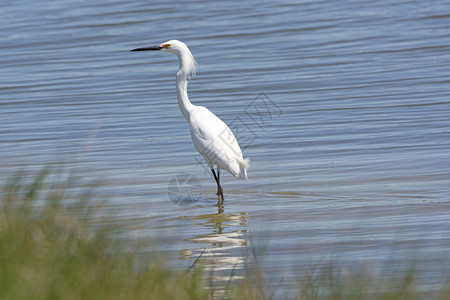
x,y
343,109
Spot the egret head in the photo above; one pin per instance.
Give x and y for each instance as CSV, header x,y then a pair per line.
x,y
175,47
187,61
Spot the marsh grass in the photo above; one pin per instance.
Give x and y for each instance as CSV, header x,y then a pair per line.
x,y
54,247
53,250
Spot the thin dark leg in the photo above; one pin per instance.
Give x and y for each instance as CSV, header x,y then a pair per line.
x,y
217,179
219,187
214,174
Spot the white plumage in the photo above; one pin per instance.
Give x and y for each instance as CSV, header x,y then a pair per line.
x,y
212,138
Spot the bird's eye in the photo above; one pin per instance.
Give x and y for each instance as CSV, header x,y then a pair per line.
x,y
167,46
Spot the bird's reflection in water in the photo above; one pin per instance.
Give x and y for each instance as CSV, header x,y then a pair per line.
x,y
221,246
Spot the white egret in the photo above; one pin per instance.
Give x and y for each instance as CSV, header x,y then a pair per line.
x,y
212,138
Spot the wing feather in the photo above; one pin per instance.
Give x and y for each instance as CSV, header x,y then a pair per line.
x,y
215,141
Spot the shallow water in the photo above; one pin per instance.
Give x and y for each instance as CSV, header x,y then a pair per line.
x,y
343,109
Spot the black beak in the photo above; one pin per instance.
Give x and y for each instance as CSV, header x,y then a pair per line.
x,y
148,48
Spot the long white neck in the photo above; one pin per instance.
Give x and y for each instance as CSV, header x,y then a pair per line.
x,y
182,95
183,100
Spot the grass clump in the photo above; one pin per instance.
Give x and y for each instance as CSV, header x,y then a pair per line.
x,y
50,249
